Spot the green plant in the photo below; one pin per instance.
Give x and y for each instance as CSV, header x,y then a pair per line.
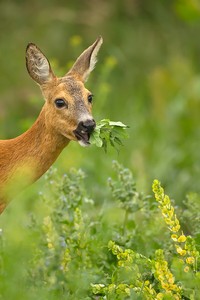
x,y
109,133
130,247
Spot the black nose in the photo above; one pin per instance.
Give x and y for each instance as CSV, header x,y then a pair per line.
x,y
87,126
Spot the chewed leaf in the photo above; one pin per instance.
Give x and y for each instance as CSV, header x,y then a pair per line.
x,y
109,133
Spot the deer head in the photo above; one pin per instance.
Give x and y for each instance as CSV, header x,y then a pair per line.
x,y
68,104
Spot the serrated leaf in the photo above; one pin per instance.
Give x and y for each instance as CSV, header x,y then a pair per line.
x,y
119,124
118,141
98,142
103,123
95,139
121,132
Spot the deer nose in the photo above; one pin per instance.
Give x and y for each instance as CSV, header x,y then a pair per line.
x,y
88,125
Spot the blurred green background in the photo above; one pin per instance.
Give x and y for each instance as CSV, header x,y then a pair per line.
x,y
147,76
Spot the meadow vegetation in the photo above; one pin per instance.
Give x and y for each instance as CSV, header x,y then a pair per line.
x,y
132,247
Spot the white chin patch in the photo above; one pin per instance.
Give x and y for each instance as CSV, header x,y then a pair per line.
x,y
83,144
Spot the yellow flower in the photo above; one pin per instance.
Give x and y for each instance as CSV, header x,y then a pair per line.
x,y
165,286
169,221
182,238
171,212
176,297
190,260
166,200
181,251
159,296
175,228
161,277
171,280
186,269
174,237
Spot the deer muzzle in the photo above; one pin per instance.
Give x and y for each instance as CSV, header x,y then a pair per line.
x,y
84,130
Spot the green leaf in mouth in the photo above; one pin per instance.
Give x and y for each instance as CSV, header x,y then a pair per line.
x,y
109,133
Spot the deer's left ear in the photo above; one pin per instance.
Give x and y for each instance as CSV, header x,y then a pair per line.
x,y
38,65
85,63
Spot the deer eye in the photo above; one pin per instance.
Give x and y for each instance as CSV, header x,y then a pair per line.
x,y
90,98
60,103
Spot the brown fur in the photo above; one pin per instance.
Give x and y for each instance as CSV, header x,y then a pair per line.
x,y
31,154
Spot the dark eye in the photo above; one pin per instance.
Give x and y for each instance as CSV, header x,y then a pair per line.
x,y
90,98
60,103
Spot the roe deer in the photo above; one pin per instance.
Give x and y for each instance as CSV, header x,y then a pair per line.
x,y
65,116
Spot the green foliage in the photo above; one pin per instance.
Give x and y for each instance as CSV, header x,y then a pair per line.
x,y
124,189
78,250
108,133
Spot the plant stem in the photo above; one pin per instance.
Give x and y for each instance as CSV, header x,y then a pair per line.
x,y
125,221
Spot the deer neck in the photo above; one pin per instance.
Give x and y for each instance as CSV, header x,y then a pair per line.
x,y
29,155
43,145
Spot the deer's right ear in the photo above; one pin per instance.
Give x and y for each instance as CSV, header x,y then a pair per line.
x,y
85,63
38,65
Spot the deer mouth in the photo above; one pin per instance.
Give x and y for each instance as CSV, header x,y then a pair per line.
x,y
84,130
82,137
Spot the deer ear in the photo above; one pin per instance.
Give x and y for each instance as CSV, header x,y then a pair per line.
x,y
38,65
85,63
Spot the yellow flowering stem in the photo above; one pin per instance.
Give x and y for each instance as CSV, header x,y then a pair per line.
x,y
164,275
185,245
